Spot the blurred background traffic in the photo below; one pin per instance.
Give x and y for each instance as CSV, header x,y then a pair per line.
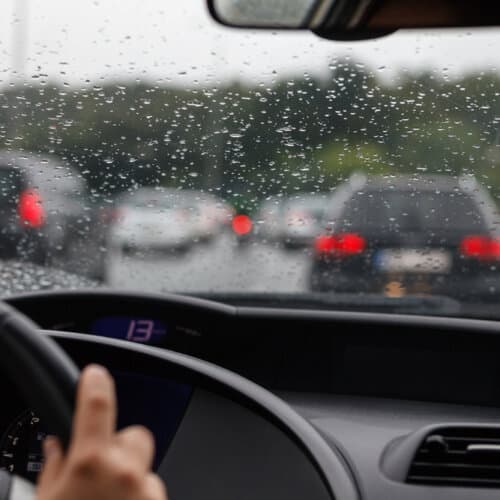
x,y
388,235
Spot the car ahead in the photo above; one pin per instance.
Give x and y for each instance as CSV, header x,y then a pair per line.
x,y
268,219
87,252
409,235
222,212
153,219
300,219
44,209
210,215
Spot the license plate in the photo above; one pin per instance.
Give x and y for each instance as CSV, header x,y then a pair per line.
x,y
413,261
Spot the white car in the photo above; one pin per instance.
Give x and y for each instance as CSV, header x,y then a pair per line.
x,y
268,225
301,216
153,219
210,215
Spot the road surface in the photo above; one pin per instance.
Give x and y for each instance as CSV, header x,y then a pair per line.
x,y
221,265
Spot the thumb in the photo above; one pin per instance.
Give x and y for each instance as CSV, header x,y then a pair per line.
x,y
53,454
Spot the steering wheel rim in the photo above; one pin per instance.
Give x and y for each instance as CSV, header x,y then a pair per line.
x,y
42,372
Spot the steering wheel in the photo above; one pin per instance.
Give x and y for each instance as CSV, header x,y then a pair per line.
x,y
42,372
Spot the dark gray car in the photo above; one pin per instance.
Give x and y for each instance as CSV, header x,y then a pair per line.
x,y
45,214
402,235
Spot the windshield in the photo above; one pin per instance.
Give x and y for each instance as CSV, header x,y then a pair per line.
x,y
144,147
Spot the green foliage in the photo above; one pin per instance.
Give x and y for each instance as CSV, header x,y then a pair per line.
x,y
339,160
246,143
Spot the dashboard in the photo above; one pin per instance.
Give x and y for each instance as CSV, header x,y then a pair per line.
x,y
368,391
23,432
442,360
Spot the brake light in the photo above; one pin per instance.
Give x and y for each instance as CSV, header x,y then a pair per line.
x,y
340,244
30,209
325,244
480,247
242,224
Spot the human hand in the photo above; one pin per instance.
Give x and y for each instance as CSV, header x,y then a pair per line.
x,y
100,464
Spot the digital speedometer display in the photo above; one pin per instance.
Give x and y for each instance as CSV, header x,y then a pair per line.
x,y
131,328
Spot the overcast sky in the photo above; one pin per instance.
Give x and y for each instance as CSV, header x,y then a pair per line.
x,y
175,40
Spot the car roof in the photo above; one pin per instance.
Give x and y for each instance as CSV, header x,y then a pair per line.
x,y
146,192
154,190
425,183
307,197
12,158
44,171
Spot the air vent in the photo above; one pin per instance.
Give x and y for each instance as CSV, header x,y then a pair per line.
x,y
464,456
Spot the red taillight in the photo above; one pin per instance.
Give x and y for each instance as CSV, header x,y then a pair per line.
x,y
480,247
30,209
341,244
242,224
325,244
351,243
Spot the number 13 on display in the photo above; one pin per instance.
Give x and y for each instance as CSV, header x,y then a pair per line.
x,y
140,330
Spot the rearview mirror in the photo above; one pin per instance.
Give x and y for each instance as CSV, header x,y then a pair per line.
x,y
355,19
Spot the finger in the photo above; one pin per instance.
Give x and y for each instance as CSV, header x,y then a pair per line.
x,y
154,488
95,414
53,455
138,443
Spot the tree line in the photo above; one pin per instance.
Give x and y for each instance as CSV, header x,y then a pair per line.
x,y
247,142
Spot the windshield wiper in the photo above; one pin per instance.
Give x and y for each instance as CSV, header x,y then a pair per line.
x,y
409,304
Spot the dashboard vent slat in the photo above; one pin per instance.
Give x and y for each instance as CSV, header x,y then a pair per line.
x,y
457,456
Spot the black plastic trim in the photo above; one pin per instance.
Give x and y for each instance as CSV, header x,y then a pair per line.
x,y
124,296
329,463
351,35
39,368
38,300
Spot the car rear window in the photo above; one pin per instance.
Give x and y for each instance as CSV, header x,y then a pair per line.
x,y
412,212
313,206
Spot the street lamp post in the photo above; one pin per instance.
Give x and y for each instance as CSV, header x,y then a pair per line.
x,y
19,38
18,64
